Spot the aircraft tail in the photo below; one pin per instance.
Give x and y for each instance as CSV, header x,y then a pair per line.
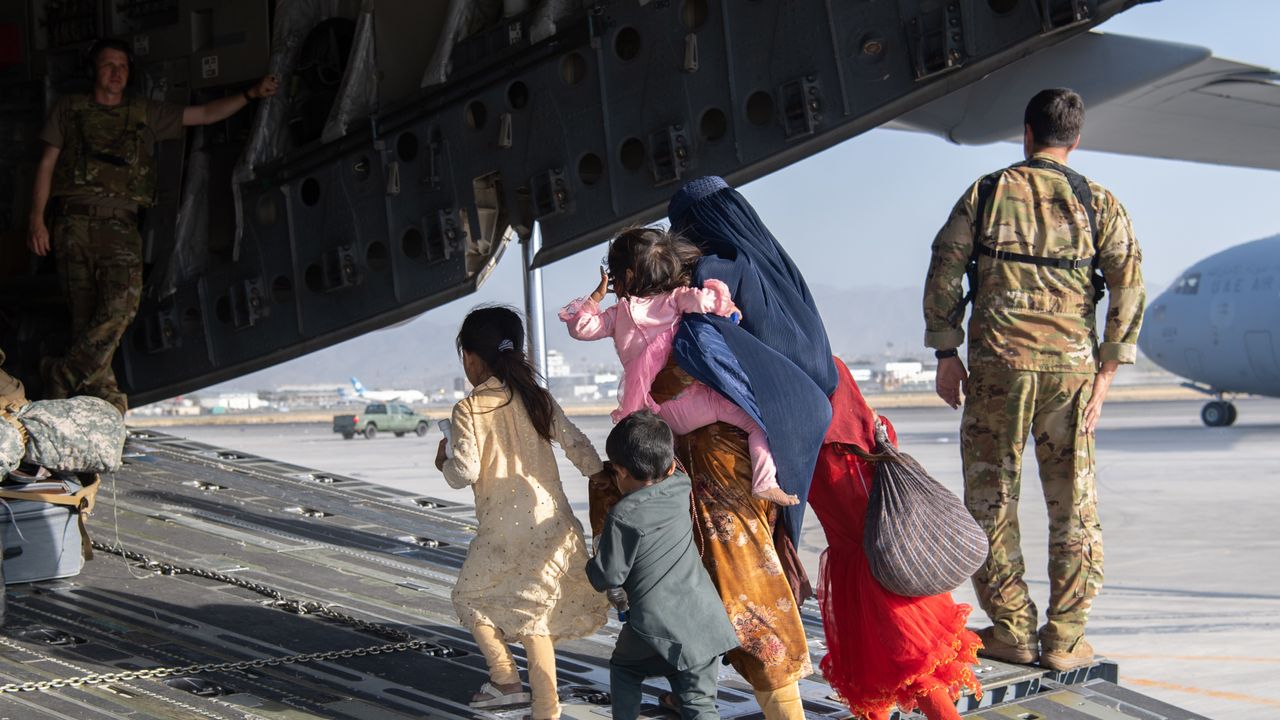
x,y
355,383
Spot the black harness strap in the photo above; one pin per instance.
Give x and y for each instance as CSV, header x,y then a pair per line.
x,y
986,188
1060,263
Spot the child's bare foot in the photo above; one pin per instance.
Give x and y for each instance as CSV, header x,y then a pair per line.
x,y
778,497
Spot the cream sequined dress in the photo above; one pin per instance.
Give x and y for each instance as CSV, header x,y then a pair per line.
x,y
525,570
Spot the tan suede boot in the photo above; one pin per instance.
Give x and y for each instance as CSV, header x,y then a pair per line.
x,y
996,649
1066,657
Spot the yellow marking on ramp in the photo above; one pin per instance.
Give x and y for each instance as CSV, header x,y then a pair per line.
x,y
1211,658
1220,695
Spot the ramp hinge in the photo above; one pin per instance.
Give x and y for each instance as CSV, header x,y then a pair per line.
x,y
936,39
1059,14
669,153
160,331
801,106
550,193
337,270
442,236
245,303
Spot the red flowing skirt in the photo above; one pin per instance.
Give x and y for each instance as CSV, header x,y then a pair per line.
x,y
882,649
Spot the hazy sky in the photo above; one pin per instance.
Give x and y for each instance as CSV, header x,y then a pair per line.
x,y
866,210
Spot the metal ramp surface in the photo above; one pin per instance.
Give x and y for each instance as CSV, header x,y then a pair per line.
x,y
280,592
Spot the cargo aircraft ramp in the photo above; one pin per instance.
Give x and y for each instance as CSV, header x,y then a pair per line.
x,y
226,585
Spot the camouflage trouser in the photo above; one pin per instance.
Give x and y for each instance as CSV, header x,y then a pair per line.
x,y
100,261
1001,408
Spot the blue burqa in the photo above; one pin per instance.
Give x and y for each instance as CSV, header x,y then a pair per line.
x,y
776,365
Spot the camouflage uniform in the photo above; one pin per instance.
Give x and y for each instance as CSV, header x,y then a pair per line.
x,y
1033,357
105,172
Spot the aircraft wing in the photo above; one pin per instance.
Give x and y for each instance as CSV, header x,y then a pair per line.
x,y
1144,97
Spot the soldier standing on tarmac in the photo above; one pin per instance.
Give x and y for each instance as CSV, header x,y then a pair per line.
x,y
98,163
1037,241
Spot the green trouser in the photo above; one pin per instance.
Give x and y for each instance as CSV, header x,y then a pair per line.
x,y
634,660
100,261
1002,406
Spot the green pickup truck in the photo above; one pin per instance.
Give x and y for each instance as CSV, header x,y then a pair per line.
x,y
381,417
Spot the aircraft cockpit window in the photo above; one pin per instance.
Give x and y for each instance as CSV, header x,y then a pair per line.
x,y
1188,284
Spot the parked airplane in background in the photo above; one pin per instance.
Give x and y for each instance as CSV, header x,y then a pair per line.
x,y
1219,326
405,396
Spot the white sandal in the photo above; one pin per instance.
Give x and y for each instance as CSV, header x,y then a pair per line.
x,y
497,698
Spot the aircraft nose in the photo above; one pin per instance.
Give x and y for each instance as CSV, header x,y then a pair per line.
x,y
1159,339
1153,322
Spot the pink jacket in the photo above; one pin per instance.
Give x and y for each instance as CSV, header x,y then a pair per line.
x,y
643,330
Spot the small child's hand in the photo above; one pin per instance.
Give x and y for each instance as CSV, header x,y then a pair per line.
x,y
618,599
603,288
441,456
602,480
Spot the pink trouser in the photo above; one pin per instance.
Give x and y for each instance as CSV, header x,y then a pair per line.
x,y
699,406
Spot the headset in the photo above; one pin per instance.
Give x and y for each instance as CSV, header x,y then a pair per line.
x,y
91,57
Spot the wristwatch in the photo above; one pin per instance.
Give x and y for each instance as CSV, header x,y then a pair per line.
x,y
943,354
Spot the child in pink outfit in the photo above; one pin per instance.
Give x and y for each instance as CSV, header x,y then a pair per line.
x,y
649,270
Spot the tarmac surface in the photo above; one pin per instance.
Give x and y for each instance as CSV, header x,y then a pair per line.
x,y
1191,604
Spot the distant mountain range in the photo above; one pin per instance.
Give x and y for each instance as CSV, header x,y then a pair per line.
x,y
867,323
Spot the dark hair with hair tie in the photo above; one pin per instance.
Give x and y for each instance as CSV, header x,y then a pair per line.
x,y
659,261
495,334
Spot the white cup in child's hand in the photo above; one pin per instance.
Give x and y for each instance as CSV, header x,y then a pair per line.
x,y
446,427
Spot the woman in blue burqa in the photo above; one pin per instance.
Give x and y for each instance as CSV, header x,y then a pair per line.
x,y
776,364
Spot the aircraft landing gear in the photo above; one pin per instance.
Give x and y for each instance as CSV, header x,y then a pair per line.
x,y
1218,413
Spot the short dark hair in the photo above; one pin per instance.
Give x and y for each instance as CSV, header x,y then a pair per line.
x,y
109,44
643,445
1055,117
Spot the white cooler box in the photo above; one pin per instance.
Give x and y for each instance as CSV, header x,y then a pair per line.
x,y
41,540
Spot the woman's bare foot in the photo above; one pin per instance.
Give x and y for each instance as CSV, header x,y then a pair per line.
x,y
778,497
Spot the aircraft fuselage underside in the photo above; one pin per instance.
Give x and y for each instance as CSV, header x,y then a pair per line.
x,y
586,131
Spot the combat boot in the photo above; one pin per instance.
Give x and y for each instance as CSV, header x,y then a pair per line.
x,y
1064,657
997,649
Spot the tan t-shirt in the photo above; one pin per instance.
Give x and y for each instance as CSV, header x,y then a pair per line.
x,y
164,120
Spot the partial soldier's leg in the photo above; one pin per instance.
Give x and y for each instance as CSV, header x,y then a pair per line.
x,y
993,433
118,275
1075,534
103,385
73,248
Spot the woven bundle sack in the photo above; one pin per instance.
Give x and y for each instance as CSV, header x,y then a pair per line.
x,y
919,538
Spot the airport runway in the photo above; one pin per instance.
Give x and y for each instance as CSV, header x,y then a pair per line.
x,y
1191,605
